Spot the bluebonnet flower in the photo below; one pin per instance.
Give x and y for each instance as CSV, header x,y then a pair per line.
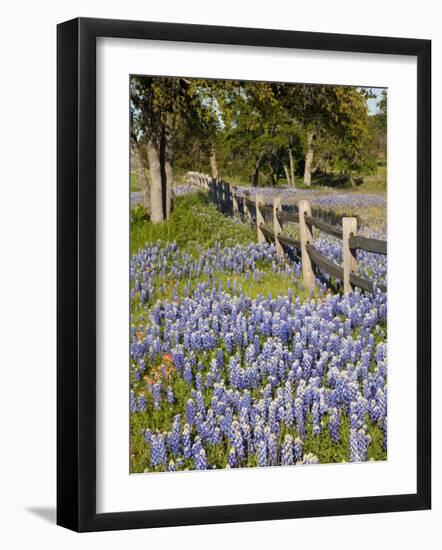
x,y
287,450
142,403
201,460
316,418
231,458
261,453
187,373
133,402
148,436
187,441
363,440
297,449
299,416
156,393
200,407
175,435
157,450
272,447
354,446
170,395
199,382
190,411
237,440
273,417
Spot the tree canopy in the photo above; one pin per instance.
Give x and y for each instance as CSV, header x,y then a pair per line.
x,y
259,131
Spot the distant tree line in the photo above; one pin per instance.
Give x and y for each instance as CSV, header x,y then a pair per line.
x,y
259,131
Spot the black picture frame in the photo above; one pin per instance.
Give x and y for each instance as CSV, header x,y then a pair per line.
x,y
76,274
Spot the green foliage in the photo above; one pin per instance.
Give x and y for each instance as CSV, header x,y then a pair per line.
x,y
254,127
156,101
194,224
258,133
138,215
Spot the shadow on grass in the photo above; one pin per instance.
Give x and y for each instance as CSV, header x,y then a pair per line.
x,y
337,181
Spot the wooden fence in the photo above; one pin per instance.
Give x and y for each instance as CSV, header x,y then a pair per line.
x,y
268,219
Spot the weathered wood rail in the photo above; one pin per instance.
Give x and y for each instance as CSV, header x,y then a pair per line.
x,y
261,215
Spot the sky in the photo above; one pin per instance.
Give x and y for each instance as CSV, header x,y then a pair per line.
x,y
372,102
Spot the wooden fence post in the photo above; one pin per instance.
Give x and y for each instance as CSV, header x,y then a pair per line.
x,y
234,201
220,193
226,196
277,229
245,206
217,193
259,218
306,237
349,228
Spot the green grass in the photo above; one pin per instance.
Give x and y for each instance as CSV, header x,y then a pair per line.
x,y
373,184
133,182
275,284
194,225
269,283
365,183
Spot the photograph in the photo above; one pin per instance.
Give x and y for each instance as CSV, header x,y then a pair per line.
x,y
258,274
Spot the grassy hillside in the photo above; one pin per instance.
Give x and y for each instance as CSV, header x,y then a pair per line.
x,y
194,225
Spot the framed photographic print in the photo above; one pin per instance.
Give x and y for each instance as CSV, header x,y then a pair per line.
x,y
243,274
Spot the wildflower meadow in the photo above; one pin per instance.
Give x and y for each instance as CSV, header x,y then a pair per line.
x,y
253,344
234,364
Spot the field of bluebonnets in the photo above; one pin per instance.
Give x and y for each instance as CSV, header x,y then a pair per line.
x,y
233,364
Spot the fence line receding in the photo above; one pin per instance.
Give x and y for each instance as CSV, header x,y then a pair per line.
x,y
259,214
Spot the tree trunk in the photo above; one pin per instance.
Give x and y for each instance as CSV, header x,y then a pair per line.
x,y
168,170
255,173
292,168
213,164
169,188
287,175
273,177
309,158
156,188
137,166
145,192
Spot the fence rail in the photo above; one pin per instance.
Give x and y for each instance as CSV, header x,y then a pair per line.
x,y
324,263
324,226
288,217
289,241
256,212
369,245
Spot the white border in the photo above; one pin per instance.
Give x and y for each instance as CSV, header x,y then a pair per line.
x,y
116,489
